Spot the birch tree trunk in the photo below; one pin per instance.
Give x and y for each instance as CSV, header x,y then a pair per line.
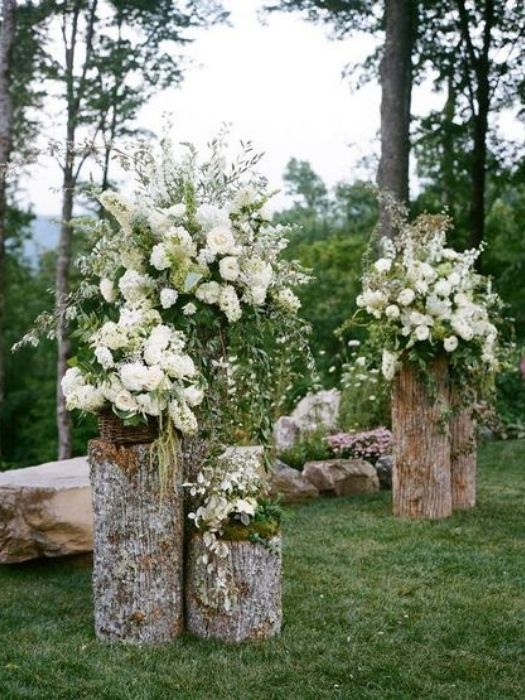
x,y
463,455
421,477
7,38
256,572
138,546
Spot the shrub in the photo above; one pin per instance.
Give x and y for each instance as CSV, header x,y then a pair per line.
x,y
365,395
369,445
309,447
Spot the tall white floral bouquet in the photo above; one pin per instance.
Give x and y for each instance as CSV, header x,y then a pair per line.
x,y
185,297
186,314
423,298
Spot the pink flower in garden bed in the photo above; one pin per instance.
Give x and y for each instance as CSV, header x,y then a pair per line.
x,y
369,444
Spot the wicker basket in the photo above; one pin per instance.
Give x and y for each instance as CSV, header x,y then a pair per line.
x,y
112,429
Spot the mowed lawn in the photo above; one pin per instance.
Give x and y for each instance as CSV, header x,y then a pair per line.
x,y
374,608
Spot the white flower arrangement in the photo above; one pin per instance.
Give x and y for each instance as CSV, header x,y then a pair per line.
x,y
229,488
423,298
194,240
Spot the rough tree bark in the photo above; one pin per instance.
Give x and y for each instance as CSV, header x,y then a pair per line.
x,y
463,454
421,482
257,574
138,546
7,38
396,93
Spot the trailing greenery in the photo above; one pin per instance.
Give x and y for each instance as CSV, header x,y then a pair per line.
x,y
374,607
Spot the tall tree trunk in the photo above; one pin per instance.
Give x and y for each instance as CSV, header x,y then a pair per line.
x,y
463,453
396,93
421,476
7,38
138,546
479,162
62,290
478,70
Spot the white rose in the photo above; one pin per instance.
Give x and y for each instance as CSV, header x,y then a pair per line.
x,y
104,357
149,404
107,289
134,376
168,297
463,329
189,309
256,272
450,343
383,265
220,240
159,257
208,292
124,401
134,286
112,336
178,366
256,295
422,332
229,268
193,395
72,379
392,312
406,297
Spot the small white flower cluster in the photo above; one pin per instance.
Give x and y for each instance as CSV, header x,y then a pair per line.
x,y
422,291
145,371
230,487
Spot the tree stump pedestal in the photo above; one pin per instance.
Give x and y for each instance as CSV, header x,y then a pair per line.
x,y
256,571
421,483
463,455
138,546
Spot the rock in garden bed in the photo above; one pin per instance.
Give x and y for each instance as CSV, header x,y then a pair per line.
x,y
342,477
45,511
290,484
312,412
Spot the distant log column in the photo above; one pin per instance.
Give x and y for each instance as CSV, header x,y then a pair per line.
x,y
463,453
256,573
421,477
138,546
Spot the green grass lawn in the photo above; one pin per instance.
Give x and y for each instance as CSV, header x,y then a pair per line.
x,y
374,608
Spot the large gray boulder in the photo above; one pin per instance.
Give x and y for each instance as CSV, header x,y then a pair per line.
x,y
290,484
342,477
312,412
45,511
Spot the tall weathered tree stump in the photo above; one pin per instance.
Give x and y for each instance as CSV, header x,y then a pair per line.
x,y
256,574
463,454
421,482
138,546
